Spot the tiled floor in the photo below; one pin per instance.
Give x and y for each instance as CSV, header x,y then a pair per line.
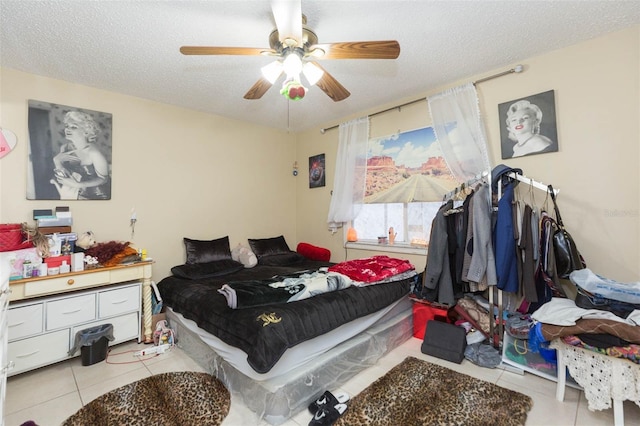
x,y
51,394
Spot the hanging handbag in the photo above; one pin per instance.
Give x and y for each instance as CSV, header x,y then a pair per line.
x,y
566,253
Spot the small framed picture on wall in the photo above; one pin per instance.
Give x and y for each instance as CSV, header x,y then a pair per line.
x,y
316,171
528,125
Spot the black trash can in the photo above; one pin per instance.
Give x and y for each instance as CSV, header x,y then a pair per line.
x,y
93,343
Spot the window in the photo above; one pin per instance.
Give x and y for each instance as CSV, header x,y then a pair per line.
x,y
406,178
410,221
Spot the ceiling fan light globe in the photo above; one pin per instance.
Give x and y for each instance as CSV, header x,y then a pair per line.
x,y
312,72
272,71
292,65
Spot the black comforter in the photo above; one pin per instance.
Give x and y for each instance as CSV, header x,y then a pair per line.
x,y
266,332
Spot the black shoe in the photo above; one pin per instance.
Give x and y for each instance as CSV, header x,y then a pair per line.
x,y
328,400
328,415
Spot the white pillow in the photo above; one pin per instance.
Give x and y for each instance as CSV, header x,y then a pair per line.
x,y
244,255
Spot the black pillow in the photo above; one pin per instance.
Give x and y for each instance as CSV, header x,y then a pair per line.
x,y
207,270
281,259
199,251
267,246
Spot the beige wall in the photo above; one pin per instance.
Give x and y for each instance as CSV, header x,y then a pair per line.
x,y
187,174
202,176
597,90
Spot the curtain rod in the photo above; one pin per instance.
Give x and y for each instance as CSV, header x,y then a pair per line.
x,y
516,69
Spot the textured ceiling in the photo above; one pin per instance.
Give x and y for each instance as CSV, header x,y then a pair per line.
x,y
132,47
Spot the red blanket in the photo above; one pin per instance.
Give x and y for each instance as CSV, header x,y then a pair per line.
x,y
371,269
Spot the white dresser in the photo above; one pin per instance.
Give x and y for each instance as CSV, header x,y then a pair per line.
x,y
4,303
43,331
45,313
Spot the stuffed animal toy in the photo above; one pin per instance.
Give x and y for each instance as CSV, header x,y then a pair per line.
x,y
245,256
85,240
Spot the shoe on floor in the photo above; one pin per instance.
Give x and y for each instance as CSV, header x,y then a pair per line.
x,y
328,399
328,415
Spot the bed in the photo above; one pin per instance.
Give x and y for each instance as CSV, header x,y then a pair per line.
x,y
278,355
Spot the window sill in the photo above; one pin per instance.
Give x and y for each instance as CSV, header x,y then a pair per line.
x,y
390,248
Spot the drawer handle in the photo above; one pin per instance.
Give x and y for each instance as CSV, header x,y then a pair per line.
x,y
118,303
71,312
70,281
16,324
27,355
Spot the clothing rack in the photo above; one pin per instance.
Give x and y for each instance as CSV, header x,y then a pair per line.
x,y
477,178
521,178
538,185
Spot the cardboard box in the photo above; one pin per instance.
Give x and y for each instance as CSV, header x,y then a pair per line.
x,y
55,221
56,261
16,260
77,262
46,230
154,321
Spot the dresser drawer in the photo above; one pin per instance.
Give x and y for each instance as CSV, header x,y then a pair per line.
x,y
71,311
37,351
25,321
126,274
118,301
65,283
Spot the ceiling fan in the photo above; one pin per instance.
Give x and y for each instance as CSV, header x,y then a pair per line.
x,y
296,48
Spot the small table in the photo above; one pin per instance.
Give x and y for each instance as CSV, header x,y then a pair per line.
x,y
603,378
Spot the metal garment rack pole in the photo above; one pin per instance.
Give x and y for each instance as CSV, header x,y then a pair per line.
x,y
516,69
539,185
477,178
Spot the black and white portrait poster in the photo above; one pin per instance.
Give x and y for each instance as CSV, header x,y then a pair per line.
x,y
528,125
316,171
69,153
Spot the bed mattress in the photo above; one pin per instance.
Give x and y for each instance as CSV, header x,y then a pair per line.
x,y
266,333
286,390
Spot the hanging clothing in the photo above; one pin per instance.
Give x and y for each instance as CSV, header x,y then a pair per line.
x,y
437,272
468,248
506,262
483,262
457,232
528,261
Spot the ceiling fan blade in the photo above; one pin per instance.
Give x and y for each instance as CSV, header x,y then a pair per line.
x,y
288,17
331,86
212,50
384,49
258,89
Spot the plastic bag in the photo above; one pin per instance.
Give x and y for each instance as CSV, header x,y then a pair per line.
x,y
163,334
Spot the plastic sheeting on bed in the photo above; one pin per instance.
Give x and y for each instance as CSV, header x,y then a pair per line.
x,y
277,399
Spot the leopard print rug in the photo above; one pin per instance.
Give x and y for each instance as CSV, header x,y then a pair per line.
x,y
416,392
179,398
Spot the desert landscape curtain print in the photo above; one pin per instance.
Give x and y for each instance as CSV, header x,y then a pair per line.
x,y
407,167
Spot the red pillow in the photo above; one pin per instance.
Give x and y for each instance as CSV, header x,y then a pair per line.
x,y
314,252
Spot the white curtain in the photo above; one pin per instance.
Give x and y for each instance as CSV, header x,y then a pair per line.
x,y
455,114
350,173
